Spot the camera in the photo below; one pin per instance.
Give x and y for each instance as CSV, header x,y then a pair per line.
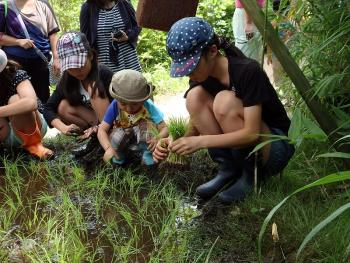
x,y
117,33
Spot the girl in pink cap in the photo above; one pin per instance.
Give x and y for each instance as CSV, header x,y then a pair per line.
x,y
20,122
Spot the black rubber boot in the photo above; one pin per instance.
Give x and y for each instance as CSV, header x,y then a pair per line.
x,y
229,171
91,145
239,190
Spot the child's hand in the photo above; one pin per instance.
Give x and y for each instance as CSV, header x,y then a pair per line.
x,y
152,143
161,150
109,154
71,129
88,132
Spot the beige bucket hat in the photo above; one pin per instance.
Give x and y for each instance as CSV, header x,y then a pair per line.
x,y
130,86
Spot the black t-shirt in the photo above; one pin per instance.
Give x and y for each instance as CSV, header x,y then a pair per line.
x,y
251,84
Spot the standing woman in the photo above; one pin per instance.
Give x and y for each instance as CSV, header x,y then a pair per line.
x,y
230,101
112,30
81,98
39,21
247,37
20,122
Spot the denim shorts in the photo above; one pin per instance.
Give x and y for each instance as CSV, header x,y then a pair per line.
x,y
280,154
13,141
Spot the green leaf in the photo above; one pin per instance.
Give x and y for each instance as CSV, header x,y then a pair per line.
x,y
335,155
342,138
332,178
321,225
295,129
314,131
261,145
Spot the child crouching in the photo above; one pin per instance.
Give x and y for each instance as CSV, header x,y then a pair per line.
x,y
132,117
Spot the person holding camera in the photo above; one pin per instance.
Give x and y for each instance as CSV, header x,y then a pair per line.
x,y
111,29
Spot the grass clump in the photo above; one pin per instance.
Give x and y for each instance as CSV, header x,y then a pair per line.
x,y
177,127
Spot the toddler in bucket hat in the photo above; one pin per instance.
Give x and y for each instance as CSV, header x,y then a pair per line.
x,y
130,86
185,42
130,119
73,50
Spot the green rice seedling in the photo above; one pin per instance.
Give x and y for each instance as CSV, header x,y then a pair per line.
x,y
177,128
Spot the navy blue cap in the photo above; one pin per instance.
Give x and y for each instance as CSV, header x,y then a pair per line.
x,y
185,42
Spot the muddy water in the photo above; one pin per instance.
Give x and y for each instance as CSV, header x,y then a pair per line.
x,y
94,233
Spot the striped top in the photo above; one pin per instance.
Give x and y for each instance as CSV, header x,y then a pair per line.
x,y
125,56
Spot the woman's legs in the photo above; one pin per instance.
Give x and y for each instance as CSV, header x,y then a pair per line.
x,y
79,115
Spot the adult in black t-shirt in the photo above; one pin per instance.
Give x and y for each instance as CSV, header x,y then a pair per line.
x,y
231,102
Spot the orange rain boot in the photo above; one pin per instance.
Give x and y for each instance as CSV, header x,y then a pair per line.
x,y
32,143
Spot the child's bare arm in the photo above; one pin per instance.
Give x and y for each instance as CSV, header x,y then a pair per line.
x,y
163,129
162,133
102,135
105,142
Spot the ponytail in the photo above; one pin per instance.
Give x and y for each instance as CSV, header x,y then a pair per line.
x,y
229,47
224,43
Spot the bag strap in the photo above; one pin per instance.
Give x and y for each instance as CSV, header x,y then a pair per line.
x,y
5,5
24,28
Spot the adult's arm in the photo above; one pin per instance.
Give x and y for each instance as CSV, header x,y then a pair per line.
x,y
84,20
53,42
6,40
134,30
27,101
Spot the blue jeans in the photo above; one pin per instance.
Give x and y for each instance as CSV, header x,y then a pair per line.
x,y
280,154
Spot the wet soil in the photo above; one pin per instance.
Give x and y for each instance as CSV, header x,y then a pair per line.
x,y
207,222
